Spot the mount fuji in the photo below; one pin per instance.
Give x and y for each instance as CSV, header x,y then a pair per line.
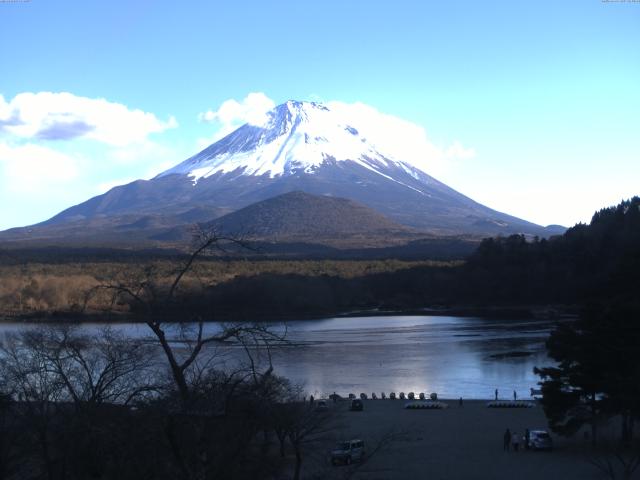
x,y
297,147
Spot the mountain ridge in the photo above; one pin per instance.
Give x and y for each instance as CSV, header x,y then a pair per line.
x,y
300,146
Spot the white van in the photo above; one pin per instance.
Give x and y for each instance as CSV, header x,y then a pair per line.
x,y
347,452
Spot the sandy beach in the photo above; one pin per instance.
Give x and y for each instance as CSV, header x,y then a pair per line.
x,y
453,443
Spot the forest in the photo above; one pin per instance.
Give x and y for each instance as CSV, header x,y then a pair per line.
x,y
600,260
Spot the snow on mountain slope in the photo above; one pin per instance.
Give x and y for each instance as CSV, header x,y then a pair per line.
x,y
332,150
295,137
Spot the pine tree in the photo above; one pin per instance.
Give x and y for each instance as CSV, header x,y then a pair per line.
x,y
598,372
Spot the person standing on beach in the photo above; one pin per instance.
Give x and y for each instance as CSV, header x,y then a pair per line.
x,y
506,440
515,396
496,392
460,402
515,440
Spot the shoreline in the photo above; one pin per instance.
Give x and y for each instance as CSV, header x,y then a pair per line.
x,y
532,312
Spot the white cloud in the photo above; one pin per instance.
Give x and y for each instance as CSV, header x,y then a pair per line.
x,y
59,149
232,114
401,138
64,116
33,168
37,182
44,176
137,153
150,160
391,135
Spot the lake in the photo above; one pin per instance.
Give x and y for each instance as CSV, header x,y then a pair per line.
x,y
453,356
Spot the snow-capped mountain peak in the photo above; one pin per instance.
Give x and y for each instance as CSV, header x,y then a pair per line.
x,y
295,137
339,150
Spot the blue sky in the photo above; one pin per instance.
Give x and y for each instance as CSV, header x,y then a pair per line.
x,y
546,94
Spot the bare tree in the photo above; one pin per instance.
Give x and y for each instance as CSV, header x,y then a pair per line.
x,y
156,302
63,383
28,379
304,426
72,392
93,369
10,437
192,350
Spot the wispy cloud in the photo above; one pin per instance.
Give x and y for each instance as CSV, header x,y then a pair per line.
x,y
392,136
401,139
57,149
231,114
33,168
64,116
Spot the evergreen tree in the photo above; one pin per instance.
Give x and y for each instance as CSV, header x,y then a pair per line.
x,y
572,392
598,372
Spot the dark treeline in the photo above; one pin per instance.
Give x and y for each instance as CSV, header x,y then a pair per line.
x,y
599,260
61,255
286,296
588,262
445,249
597,374
595,267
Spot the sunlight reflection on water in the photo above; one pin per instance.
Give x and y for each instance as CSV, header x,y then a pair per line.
x,y
452,356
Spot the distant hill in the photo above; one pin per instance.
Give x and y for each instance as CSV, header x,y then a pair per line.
x,y
297,219
511,276
298,216
291,225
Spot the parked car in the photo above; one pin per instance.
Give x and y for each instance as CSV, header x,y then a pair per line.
x,y
356,405
540,440
322,406
347,452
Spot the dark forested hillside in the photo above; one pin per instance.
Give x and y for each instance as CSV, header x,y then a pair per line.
x,y
596,373
599,260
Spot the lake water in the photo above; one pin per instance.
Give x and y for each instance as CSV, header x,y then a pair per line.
x,y
453,356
